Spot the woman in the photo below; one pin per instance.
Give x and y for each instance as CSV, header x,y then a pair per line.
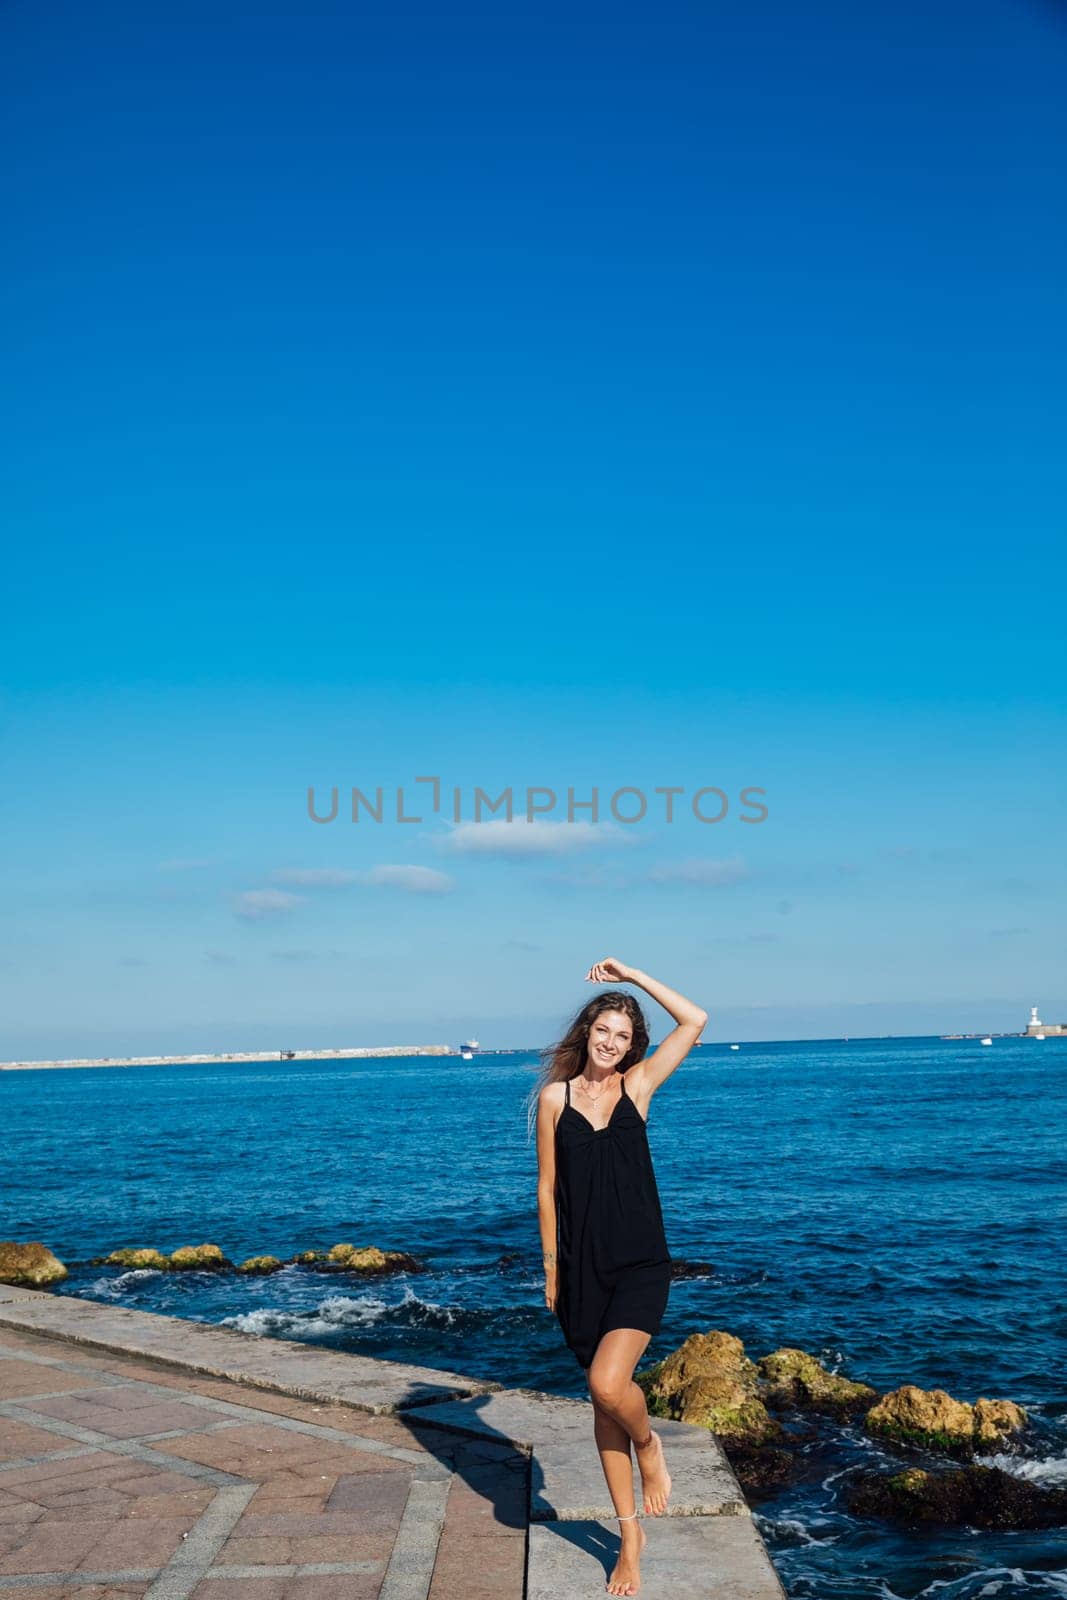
x,y
607,1266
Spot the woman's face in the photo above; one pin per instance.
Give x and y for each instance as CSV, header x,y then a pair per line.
x,y
610,1037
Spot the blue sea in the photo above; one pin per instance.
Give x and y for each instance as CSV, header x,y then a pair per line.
x,y
895,1206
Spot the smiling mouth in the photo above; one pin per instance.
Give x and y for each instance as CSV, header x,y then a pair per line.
x,y
606,1055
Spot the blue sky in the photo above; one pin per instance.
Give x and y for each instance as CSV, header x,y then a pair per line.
x,y
567,397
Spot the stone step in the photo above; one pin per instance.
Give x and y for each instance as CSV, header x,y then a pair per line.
x,y
686,1558
567,1480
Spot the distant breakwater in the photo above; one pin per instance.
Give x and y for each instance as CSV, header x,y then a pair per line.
x,y
351,1053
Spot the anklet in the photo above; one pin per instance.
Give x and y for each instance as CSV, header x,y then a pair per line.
x,y
630,1517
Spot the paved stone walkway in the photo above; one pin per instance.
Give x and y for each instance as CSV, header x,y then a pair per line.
x,y
149,1456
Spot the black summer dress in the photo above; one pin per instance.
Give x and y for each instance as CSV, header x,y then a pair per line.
x,y
613,1264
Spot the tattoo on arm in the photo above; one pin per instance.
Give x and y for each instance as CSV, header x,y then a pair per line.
x,y
550,1258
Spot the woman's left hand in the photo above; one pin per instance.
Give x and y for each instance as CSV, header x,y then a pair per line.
x,y
608,971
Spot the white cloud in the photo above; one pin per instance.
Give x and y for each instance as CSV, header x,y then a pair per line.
x,y
414,880
707,874
538,838
255,904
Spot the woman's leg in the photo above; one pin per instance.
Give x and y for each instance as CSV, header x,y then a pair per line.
x,y
615,1394
613,1442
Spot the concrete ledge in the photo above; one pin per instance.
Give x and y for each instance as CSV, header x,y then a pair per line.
x,y
687,1558
568,1484
282,1365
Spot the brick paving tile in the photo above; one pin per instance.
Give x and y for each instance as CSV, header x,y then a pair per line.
x,y
18,1378
254,1589
184,1505
13,1510
12,1535
480,1568
137,1545
206,1449
333,1465
148,1482
487,1502
266,1503
371,1494
105,1501
88,1467
64,1491
356,1586
23,1439
118,1423
52,1547
329,1524
112,1397
286,1485
89,1591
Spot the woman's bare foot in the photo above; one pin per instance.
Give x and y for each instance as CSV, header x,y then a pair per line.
x,y
626,1578
655,1479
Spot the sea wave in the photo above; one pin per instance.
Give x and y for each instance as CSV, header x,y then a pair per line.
x,y
1053,1469
339,1312
114,1288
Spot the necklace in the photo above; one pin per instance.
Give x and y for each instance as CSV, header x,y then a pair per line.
x,y
588,1092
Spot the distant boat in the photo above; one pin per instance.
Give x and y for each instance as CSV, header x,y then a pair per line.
x,y
467,1055
467,1049
987,1040
735,1047
1040,1036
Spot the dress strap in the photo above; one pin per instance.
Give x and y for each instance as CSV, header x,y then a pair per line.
x,y
622,1085
568,1091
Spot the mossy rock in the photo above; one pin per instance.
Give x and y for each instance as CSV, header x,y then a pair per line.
x,y
931,1419
190,1256
974,1497
310,1258
261,1265
710,1381
761,1469
31,1266
996,1420
369,1259
133,1258
792,1377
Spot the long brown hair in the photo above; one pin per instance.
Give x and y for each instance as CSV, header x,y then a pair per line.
x,y
567,1056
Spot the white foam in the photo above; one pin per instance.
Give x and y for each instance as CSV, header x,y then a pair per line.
x,y
1051,1470
339,1311
113,1288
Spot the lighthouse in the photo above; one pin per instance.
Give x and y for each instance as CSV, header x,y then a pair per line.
x,y
1036,1029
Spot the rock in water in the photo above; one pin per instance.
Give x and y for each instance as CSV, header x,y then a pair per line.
x,y
976,1497
261,1265
32,1265
710,1381
932,1419
139,1257
190,1256
794,1378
